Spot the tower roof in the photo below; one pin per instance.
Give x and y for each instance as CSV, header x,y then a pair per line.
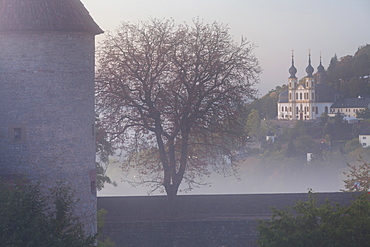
x,y
320,68
292,69
309,68
46,15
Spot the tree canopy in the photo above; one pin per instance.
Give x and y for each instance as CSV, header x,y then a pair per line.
x,y
309,224
167,93
350,74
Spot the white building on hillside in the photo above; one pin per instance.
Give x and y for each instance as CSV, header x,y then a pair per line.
x,y
349,107
310,98
364,140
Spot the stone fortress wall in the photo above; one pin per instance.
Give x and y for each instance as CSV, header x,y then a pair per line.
x,y
202,220
47,116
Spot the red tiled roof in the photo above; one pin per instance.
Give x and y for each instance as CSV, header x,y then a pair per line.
x,y
46,15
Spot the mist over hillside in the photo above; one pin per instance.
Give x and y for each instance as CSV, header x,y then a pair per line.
x,y
281,166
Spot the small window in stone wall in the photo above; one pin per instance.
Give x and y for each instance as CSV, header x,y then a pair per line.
x,y
17,133
93,182
93,187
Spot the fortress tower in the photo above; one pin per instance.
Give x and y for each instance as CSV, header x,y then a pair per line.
x,y
47,115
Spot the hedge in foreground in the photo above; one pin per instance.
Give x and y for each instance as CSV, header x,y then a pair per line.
x,y
309,224
29,218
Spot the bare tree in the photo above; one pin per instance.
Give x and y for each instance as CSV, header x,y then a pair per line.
x,y
168,94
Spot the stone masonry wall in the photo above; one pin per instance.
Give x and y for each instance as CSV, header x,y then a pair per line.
x,y
230,233
47,111
201,220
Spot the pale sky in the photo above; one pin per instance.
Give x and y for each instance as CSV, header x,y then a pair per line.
x,y
274,26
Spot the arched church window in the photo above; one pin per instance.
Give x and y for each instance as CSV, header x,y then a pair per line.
x,y
300,95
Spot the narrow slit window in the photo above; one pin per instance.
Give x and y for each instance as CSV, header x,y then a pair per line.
x,y
17,134
93,187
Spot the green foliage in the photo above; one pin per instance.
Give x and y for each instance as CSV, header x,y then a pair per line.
x,y
253,123
349,74
267,105
352,145
104,149
305,144
103,241
358,177
338,129
308,224
364,114
30,219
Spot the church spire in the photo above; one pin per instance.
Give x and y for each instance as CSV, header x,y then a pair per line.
x,y
320,73
309,68
292,69
320,68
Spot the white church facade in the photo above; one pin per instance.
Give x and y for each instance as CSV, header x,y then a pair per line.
x,y
308,99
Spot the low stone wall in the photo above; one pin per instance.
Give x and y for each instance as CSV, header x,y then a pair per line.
x,y
183,233
201,220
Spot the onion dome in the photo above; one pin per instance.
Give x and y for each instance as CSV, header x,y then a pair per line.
x,y
309,68
292,69
320,68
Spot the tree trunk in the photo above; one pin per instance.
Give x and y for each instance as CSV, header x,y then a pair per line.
x,y
171,204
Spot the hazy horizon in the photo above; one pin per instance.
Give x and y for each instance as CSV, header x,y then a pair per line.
x,y
253,179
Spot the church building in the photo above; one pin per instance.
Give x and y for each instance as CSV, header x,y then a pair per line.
x,y
308,99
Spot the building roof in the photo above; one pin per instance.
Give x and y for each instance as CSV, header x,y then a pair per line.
x,y
46,15
283,97
351,103
326,93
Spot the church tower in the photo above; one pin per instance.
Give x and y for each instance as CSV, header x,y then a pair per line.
x,y
47,96
310,90
292,85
